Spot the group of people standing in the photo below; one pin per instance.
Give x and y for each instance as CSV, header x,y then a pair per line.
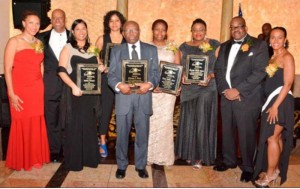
x,y
45,96
250,85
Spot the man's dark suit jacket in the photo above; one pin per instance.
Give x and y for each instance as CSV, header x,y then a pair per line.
x,y
248,69
53,83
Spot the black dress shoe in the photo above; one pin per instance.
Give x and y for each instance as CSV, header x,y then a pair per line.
x,y
246,176
120,173
54,157
142,173
223,167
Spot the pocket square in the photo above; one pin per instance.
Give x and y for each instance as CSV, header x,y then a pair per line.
x,y
250,54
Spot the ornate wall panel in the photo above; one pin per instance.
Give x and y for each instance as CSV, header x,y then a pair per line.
x,y
180,14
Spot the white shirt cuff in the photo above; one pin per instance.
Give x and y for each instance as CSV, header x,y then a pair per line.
x,y
151,86
116,87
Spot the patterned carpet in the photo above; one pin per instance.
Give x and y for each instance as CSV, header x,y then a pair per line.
x,y
297,123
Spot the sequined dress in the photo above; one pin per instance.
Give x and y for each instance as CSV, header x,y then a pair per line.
x,y
161,139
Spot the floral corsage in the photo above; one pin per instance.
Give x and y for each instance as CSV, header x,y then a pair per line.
x,y
272,68
205,47
172,46
245,47
38,47
93,50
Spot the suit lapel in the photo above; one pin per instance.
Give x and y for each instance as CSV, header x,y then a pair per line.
x,y
125,52
52,52
227,51
47,45
47,39
237,56
240,52
143,55
68,33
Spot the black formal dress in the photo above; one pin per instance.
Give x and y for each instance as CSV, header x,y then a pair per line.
x,y
285,119
197,131
79,115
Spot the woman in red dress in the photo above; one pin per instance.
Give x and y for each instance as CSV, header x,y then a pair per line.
x,y
28,142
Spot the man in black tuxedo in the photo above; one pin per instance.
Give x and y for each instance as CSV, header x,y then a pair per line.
x,y
130,106
53,40
239,71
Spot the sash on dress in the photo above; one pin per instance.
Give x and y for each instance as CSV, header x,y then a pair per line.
x,y
271,96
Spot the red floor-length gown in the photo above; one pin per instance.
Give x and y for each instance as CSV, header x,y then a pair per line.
x,y
28,142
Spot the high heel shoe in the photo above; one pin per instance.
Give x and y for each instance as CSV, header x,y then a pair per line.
x,y
263,174
266,180
197,165
104,148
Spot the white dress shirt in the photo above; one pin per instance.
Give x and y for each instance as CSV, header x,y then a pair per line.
x,y
57,41
137,48
232,54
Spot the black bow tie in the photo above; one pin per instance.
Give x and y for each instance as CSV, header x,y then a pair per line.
x,y
237,42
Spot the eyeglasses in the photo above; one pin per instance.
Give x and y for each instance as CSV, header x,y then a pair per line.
x,y
236,27
131,31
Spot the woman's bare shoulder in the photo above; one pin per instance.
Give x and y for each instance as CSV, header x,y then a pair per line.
x,y
288,58
99,41
15,39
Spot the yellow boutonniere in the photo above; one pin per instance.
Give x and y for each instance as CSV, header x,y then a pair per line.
x,y
172,46
93,50
205,47
271,69
245,47
38,47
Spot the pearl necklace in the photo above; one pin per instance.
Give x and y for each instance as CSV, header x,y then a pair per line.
x,y
29,41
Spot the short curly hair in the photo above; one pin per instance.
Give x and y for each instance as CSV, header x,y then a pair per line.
x,y
108,16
